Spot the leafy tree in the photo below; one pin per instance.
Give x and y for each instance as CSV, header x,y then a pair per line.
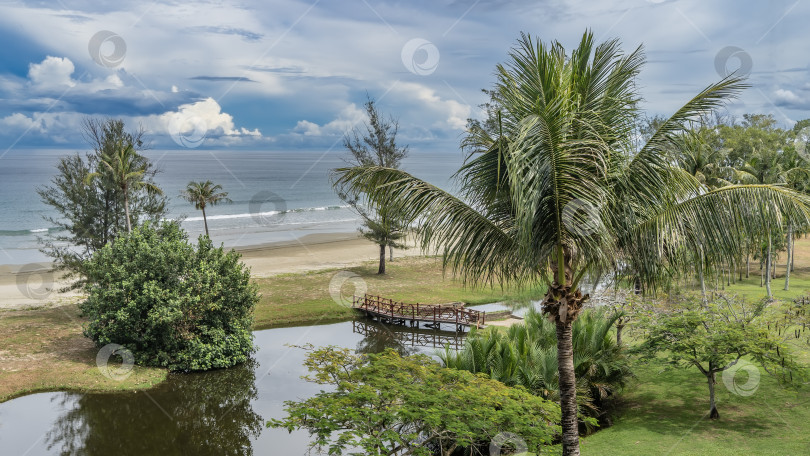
x,y
170,303
755,131
714,336
384,404
128,173
202,194
561,192
526,355
90,216
382,223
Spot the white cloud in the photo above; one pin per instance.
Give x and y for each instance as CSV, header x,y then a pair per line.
x,y
787,96
348,118
52,73
19,122
203,117
453,114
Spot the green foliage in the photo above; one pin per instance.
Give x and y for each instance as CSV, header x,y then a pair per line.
x,y
527,355
716,335
90,216
170,303
385,404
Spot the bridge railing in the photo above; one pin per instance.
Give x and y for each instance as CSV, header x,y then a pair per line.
x,y
421,312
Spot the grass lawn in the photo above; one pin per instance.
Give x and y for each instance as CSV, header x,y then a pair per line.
x,y
44,349
296,299
665,412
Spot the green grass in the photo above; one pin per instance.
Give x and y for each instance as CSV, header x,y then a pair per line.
x,y
666,413
299,299
44,349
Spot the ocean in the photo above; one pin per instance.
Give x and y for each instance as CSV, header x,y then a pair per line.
x,y
277,196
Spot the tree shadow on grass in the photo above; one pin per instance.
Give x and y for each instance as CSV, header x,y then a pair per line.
x,y
676,402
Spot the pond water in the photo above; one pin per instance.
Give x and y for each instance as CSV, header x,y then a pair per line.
x,y
213,413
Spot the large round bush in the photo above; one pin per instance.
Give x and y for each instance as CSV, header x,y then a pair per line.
x,y
172,304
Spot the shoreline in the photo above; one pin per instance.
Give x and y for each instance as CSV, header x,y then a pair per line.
x,y
34,285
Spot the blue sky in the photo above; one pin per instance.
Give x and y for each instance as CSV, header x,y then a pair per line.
x,y
290,74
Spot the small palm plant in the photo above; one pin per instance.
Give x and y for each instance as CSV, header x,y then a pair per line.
x,y
128,170
202,194
526,355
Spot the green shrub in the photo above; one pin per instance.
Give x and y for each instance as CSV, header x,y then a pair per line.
x,y
170,303
526,355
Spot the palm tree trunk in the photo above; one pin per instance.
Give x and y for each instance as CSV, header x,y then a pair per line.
x,y
205,222
790,257
747,265
126,210
700,274
768,269
792,254
390,252
568,389
381,269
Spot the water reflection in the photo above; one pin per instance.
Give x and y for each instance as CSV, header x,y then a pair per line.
x,y
212,413
405,340
199,414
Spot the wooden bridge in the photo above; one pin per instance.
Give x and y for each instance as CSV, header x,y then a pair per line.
x,y
432,315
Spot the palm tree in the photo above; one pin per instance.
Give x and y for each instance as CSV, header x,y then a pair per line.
x,y
128,171
775,167
202,194
565,124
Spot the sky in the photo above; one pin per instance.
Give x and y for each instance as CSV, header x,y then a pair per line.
x,y
289,74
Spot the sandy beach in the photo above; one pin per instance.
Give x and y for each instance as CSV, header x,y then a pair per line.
x,y
34,285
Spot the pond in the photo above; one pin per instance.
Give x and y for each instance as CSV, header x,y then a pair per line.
x,y
212,413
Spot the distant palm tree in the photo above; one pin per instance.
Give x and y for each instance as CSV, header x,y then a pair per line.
x,y
127,169
202,194
558,191
767,166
